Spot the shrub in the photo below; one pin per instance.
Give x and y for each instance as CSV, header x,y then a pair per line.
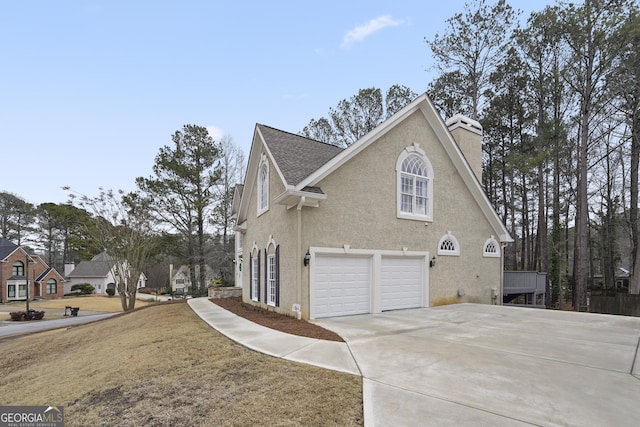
x,y
17,315
83,288
23,315
111,292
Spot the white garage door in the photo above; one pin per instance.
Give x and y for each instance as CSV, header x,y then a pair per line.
x,y
402,283
342,286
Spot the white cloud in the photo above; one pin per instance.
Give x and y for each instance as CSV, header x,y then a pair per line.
x,y
215,132
361,32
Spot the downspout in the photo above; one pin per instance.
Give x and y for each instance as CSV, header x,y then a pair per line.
x,y
503,246
299,256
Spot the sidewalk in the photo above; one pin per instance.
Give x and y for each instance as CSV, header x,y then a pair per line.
x,y
325,354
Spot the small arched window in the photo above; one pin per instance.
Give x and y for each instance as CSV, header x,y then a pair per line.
x,y
263,185
17,269
415,184
448,245
52,286
491,248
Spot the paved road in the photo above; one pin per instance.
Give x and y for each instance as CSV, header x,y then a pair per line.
x,y
9,328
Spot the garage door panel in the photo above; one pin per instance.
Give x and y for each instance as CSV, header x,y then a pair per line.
x,y
342,286
402,283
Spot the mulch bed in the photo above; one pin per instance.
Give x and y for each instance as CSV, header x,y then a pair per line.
x,y
277,321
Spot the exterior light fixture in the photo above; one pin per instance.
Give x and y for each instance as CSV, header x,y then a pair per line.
x,y
307,258
432,262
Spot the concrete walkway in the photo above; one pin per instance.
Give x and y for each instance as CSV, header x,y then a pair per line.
x,y
326,354
471,365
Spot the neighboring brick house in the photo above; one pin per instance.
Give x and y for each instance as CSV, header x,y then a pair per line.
x,y
21,271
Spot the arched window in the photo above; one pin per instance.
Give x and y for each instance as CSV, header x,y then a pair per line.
x,y
52,286
17,268
448,245
254,274
415,184
491,248
272,275
263,185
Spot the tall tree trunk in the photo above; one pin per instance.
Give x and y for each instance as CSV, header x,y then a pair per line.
x,y
581,258
634,285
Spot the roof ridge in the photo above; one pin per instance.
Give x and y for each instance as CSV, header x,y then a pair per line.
x,y
300,136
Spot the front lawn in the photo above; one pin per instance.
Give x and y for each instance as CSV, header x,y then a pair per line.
x,y
163,366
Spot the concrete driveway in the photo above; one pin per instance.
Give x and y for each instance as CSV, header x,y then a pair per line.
x,y
483,365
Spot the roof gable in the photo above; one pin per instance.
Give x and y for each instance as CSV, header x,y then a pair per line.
x,y
295,156
423,105
7,247
303,163
99,266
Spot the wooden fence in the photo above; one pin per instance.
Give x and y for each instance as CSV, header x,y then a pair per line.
x,y
624,304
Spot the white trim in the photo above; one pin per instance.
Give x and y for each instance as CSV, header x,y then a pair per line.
x,y
270,254
255,290
453,240
417,151
376,256
494,254
271,272
263,186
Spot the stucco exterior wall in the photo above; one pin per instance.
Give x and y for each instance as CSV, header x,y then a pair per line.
x,y
279,224
361,211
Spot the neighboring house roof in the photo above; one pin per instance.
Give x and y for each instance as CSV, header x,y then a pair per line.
x,y
7,247
46,270
303,163
43,274
99,266
183,270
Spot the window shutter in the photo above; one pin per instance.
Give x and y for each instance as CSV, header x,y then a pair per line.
x,y
258,277
251,276
278,276
266,276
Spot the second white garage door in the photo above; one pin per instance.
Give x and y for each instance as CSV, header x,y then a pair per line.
x,y
402,283
342,286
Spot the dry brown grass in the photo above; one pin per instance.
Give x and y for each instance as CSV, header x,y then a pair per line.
x,y
54,308
163,366
86,302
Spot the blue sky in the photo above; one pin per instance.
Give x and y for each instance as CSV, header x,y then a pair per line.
x,y
91,89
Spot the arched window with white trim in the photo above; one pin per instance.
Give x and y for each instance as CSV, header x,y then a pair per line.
x,y
263,185
254,273
272,274
491,248
415,184
448,245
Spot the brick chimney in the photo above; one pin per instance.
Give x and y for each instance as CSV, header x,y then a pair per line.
x,y
468,134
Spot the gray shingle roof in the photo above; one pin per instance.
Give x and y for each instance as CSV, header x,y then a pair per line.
x,y
296,156
7,247
99,266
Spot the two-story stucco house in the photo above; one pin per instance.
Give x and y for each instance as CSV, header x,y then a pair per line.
x,y
180,279
396,220
25,275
